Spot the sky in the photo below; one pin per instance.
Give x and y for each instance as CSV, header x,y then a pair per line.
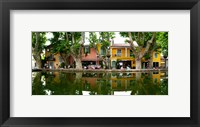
x,y
118,39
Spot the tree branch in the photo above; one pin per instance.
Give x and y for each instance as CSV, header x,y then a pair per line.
x,y
143,37
37,39
149,42
73,39
72,51
108,37
82,43
132,44
67,38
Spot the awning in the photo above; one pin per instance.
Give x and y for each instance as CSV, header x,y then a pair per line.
x,y
125,59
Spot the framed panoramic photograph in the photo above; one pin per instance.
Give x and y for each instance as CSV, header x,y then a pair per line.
x,y
99,63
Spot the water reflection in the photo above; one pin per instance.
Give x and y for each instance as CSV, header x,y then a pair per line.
x,y
107,83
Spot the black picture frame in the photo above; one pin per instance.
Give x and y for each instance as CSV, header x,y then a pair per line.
x,y
7,5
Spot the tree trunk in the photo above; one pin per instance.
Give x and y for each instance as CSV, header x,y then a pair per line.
x,y
66,61
151,63
138,63
139,54
151,60
36,52
39,64
104,63
65,58
78,63
38,61
107,67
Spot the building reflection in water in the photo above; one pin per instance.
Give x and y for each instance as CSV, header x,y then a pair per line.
x,y
95,83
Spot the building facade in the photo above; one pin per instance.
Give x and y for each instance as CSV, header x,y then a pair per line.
x,y
121,56
89,56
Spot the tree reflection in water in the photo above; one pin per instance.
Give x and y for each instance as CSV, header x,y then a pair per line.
x,y
95,83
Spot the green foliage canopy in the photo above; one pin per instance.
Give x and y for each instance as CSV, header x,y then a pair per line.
x,y
38,41
162,40
63,41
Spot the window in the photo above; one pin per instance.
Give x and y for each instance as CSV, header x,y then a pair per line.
x,y
156,55
155,64
119,52
86,49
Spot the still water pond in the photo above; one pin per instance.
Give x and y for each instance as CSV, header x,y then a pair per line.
x,y
96,83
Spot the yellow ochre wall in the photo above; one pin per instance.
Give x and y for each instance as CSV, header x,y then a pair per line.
x,y
114,51
123,57
158,59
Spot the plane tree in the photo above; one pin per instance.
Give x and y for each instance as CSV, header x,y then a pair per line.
x,y
103,39
140,43
69,44
76,48
38,42
155,47
60,44
162,39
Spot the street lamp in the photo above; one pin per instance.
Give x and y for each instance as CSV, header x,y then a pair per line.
x,y
97,59
108,56
165,57
165,61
